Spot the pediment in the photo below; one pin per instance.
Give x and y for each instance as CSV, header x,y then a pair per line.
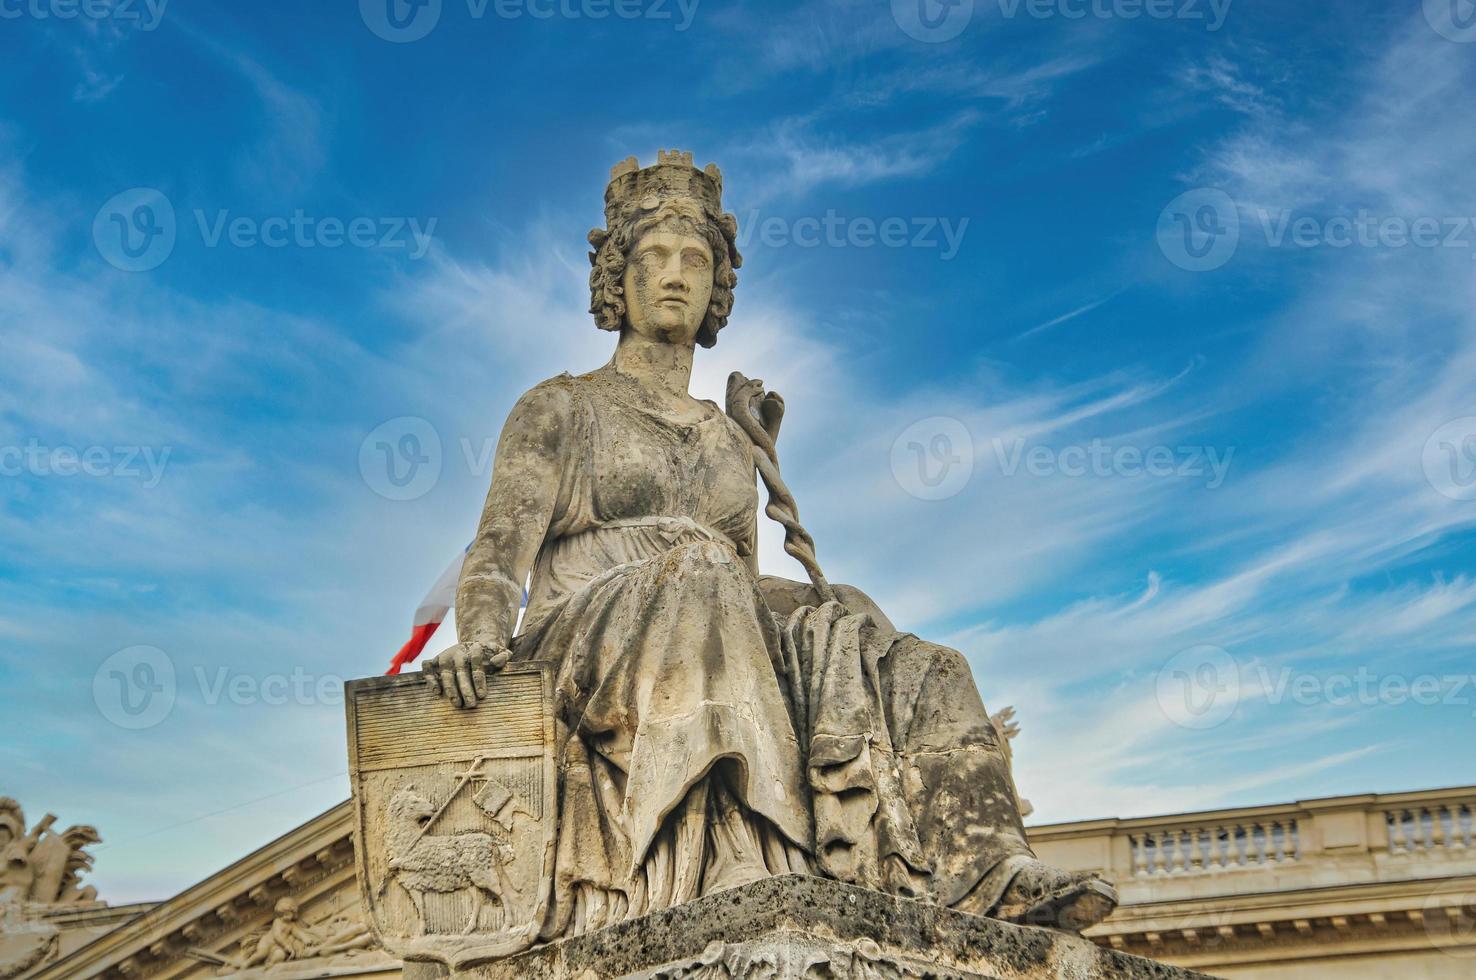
x,y
287,911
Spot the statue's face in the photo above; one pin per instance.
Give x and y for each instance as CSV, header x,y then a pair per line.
x,y
668,284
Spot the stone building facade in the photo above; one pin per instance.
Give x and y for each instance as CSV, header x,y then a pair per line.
x,y
1370,886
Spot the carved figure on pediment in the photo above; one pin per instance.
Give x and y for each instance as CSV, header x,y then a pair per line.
x,y
289,939
40,870
43,867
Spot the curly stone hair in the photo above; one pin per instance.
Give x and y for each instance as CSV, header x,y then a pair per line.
x,y
684,215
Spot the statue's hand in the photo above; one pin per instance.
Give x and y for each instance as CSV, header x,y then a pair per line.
x,y
460,674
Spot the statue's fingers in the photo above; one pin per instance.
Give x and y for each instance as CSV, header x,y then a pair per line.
x,y
500,659
432,680
464,680
448,686
479,680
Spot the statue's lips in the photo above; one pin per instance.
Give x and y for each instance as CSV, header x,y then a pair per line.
x,y
671,301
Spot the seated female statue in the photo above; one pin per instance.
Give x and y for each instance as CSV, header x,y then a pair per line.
x,y
716,726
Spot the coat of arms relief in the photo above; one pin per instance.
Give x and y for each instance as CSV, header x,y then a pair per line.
x,y
455,814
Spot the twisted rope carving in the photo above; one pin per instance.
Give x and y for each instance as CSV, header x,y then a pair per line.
x,y
759,413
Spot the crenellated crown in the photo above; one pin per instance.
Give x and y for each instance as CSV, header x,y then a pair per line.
x,y
673,176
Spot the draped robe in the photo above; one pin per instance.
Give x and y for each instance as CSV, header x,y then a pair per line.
x,y
716,727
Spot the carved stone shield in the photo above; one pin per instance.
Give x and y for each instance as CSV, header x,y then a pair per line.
x,y
455,814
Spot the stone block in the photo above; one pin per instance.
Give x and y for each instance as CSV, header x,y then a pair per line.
x,y
796,927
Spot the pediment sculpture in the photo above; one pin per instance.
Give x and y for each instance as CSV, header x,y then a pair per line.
x,y
40,872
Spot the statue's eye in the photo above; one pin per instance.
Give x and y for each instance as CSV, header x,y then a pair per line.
x,y
695,260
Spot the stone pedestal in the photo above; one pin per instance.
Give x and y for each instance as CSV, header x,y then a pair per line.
x,y
801,928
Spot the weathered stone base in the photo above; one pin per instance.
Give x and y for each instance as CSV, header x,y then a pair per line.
x,y
801,928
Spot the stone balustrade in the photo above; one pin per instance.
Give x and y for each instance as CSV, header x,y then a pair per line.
x,y
1235,891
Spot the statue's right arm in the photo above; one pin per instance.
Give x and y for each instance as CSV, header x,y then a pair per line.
x,y
515,519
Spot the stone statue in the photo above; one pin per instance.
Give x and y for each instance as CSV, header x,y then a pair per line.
x,y
703,726
715,726
288,939
40,872
43,867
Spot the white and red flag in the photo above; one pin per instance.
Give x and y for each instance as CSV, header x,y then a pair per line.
x,y
430,614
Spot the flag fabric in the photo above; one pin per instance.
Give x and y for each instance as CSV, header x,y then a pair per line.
x,y
430,614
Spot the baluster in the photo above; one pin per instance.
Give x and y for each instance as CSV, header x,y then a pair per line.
x,y
1200,849
1437,826
1296,845
1397,841
1140,854
1178,851
1160,859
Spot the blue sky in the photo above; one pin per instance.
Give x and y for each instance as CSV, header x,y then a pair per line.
x,y
1160,385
